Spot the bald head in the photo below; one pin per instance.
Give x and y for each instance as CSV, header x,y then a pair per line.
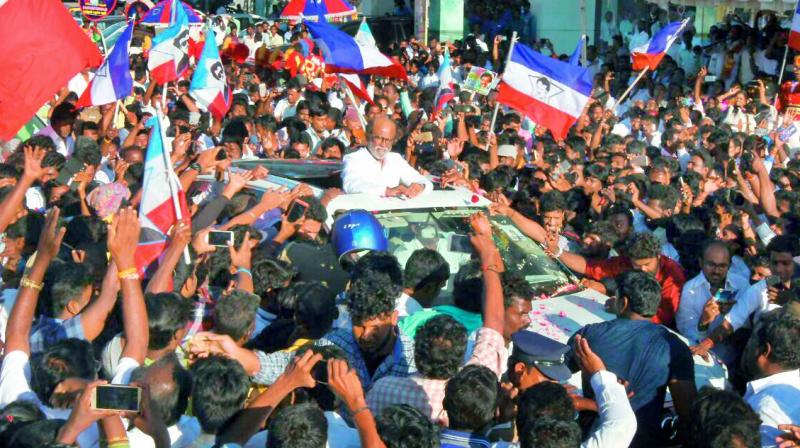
x,y
382,134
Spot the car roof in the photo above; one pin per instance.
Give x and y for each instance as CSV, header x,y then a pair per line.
x,y
454,198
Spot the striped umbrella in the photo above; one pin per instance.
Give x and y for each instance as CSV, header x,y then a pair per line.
x,y
160,14
331,10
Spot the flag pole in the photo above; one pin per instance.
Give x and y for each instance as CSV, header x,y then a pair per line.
x,y
116,112
497,104
780,81
352,97
628,90
171,176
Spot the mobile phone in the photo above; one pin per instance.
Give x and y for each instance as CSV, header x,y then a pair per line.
x,y
460,243
640,161
424,137
562,169
262,90
220,238
296,210
773,280
724,296
465,108
114,397
710,78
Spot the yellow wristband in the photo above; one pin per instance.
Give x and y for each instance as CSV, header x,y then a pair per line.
x,y
128,274
28,283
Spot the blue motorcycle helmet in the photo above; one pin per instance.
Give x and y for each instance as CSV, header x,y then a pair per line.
x,y
356,231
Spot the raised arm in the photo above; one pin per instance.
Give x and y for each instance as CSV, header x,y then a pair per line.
x,y
249,421
492,266
240,259
21,318
33,171
93,318
344,382
123,237
162,278
529,227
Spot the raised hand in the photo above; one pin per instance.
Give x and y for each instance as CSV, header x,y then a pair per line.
x,y
123,237
240,258
299,372
588,361
51,235
344,382
33,163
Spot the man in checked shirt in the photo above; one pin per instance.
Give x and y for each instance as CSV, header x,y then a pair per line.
x,y
441,342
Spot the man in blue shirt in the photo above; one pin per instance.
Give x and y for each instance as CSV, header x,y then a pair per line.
x,y
647,355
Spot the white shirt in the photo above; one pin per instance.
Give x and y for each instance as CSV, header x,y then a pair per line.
x,y
63,146
776,398
363,174
15,380
284,109
181,434
753,301
339,434
694,296
407,305
617,422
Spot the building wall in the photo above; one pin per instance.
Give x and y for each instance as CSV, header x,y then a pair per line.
x,y
560,21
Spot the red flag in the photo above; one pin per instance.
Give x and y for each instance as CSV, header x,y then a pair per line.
x,y
41,50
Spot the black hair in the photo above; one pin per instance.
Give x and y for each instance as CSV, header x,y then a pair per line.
x,y
439,347
235,314
14,416
87,151
315,211
63,281
298,426
470,398
67,358
63,112
37,434
219,390
515,287
721,418
664,193
41,141
642,291
376,283
597,171
549,432
781,331
404,426
605,230
8,171
425,267
167,312
267,122
315,308
552,201
545,399
270,275
468,287
170,398
642,246
785,244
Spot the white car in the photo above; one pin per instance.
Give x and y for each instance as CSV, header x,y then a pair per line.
x,y
437,220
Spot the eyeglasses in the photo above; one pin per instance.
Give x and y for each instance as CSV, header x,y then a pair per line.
x,y
384,140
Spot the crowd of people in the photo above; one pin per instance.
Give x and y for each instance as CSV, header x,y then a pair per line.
x,y
680,203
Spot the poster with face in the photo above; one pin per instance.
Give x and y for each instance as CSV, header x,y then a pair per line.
x,y
97,9
480,80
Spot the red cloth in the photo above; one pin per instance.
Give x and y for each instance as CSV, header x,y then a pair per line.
x,y
41,50
670,276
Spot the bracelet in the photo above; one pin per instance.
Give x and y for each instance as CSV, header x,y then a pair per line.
x,y
359,410
28,283
245,270
490,267
559,253
128,274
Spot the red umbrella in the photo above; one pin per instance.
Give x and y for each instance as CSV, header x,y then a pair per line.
x,y
330,10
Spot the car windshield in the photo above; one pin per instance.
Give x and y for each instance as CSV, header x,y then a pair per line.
x,y
447,232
